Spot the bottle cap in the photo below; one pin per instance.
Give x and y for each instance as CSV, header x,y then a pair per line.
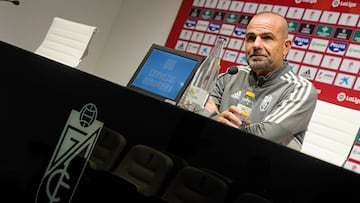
x,y
250,94
221,37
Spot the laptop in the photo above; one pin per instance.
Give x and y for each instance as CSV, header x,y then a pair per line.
x,y
164,73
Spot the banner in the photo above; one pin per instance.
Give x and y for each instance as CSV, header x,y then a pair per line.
x,y
325,35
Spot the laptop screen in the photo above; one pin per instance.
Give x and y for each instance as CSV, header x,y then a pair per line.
x,y
164,73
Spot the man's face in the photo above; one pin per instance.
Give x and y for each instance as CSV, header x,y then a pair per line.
x,y
266,44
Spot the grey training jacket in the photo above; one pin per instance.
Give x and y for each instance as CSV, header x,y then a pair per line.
x,y
284,102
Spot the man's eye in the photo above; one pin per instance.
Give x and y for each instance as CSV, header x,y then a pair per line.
x,y
250,38
267,37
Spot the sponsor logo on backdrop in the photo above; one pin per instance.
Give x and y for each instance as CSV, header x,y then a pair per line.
x,y
353,51
337,48
250,7
292,25
192,48
350,66
306,28
231,17
312,58
324,31
307,72
302,42
239,31
342,96
356,37
202,25
280,9
214,27
295,13
331,62
204,50
224,5
265,7
235,43
344,80
219,16
337,3
197,36
325,76
209,39
199,3
295,55
343,33
185,34
318,44
312,15
206,14
241,59
230,55
348,19
189,23
236,6
244,19
329,17
181,45
294,67
195,12
210,4
227,29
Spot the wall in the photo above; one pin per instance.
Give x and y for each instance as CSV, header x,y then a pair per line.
x,y
139,24
126,29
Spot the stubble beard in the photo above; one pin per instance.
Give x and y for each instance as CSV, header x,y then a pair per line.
x,y
260,67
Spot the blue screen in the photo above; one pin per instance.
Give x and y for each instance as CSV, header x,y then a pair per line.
x,y
164,73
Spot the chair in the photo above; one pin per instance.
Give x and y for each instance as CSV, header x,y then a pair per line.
x,y
145,168
108,150
195,185
66,41
140,175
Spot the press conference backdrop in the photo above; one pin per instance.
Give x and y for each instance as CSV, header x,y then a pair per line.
x,y
325,34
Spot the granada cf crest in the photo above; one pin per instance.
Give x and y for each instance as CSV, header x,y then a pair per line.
x,y
65,168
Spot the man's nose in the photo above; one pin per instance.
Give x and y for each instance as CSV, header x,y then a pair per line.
x,y
257,42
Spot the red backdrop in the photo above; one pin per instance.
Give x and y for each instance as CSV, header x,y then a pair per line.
x,y
325,34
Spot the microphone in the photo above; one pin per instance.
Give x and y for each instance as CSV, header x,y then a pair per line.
x,y
232,70
13,1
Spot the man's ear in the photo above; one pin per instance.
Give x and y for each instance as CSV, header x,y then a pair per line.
x,y
287,47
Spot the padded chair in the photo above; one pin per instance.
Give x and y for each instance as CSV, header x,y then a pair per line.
x,y
195,185
109,148
145,168
140,175
66,41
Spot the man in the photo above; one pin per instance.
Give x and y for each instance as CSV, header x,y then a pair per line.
x,y
284,101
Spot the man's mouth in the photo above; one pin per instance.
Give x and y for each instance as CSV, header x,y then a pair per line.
x,y
257,57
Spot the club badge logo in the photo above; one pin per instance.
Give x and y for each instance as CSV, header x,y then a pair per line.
x,y
64,171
